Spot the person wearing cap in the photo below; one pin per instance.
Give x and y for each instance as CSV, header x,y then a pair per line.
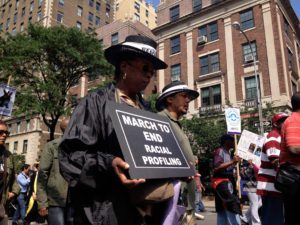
x,y
91,159
290,154
174,103
51,187
226,200
272,203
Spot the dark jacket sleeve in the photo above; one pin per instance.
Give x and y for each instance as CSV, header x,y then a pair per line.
x,y
83,154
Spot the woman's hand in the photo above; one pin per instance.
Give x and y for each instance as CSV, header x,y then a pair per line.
x,y
120,167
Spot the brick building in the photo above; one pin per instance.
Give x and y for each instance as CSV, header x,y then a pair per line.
x,y
197,41
28,136
15,15
136,10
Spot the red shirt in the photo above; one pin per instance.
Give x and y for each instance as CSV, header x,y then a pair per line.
x,y
290,134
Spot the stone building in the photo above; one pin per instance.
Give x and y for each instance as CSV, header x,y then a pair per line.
x,y
198,42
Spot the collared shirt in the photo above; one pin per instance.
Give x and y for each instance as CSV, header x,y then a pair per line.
x,y
23,181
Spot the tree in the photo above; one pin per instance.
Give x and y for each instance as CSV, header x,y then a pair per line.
x,y
44,64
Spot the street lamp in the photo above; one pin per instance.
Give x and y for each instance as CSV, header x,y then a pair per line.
x,y
236,25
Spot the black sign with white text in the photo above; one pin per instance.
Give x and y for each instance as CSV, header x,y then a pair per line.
x,y
148,144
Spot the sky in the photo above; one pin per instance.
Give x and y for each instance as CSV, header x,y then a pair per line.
x,y
295,4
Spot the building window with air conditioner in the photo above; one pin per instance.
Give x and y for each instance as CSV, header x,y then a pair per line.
x,y
208,33
209,64
247,19
175,44
247,54
175,72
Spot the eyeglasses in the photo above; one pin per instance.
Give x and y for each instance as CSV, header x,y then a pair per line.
x,y
145,69
4,132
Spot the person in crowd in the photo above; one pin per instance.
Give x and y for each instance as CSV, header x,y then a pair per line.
x,y
226,200
90,156
174,103
290,153
272,203
9,187
249,173
52,188
32,214
23,181
198,192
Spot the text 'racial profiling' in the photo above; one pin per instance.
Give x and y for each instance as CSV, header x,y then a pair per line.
x,y
153,141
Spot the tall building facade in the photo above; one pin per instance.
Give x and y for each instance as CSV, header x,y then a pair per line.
x,y
84,14
29,135
198,42
136,10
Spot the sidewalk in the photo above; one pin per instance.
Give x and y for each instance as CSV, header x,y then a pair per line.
x,y
208,201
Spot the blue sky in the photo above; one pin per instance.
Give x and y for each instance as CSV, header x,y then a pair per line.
x,y
295,4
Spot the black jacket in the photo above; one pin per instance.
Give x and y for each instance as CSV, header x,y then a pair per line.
x,y
87,150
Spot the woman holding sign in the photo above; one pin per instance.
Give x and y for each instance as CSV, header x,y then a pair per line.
x,y
91,159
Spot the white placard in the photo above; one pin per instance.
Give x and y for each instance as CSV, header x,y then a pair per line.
x,y
250,146
233,120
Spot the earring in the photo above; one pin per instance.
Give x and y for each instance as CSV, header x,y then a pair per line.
x,y
124,76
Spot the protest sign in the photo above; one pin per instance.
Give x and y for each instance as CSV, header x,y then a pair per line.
x,y
250,146
148,144
233,120
7,98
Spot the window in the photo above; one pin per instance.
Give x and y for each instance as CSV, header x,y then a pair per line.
x,y
3,12
197,5
60,17
174,13
61,2
22,27
107,10
286,25
90,30
27,125
18,127
15,147
31,7
39,15
7,23
97,21
290,58
1,27
14,31
250,85
247,55
98,6
17,4
136,17
209,64
40,3
25,145
137,6
175,72
114,39
247,20
211,96
15,18
79,11
23,11
78,25
147,13
7,146
210,31
147,23
91,17
9,9
91,3
175,44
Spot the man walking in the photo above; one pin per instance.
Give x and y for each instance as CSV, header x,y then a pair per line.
x,y
272,203
174,103
290,153
52,189
23,180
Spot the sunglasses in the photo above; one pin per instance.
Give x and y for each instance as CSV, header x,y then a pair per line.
x,y
4,132
145,69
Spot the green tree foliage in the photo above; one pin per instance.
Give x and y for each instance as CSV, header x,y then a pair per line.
x,y
204,135
19,161
44,64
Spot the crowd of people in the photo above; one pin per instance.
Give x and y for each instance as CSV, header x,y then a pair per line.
x,y
82,178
